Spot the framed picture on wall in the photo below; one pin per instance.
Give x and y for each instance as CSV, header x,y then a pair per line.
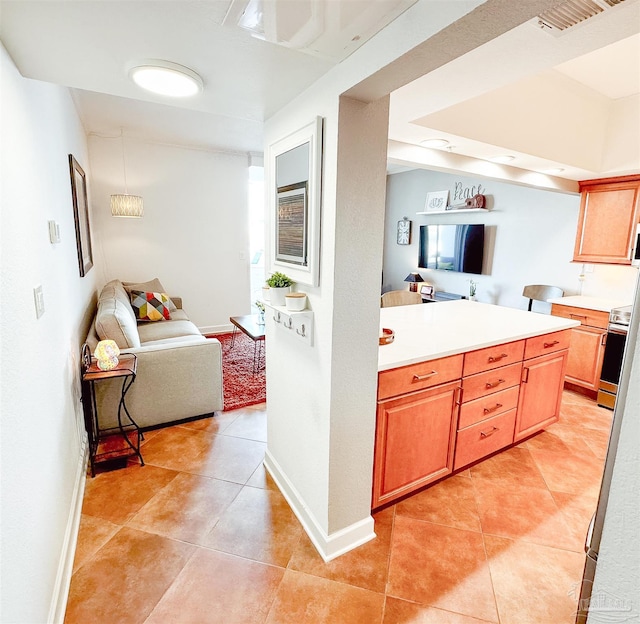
x,y
81,216
437,201
291,224
294,181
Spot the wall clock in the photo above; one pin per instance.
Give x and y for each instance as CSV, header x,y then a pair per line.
x,y
404,231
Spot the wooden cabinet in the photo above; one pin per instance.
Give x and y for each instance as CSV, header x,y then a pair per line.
x,y
488,399
415,438
490,388
586,350
609,212
540,392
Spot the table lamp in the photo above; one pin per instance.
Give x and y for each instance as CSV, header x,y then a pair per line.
x,y
413,279
107,353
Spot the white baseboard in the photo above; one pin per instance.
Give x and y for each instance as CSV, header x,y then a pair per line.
x,y
216,329
328,546
65,566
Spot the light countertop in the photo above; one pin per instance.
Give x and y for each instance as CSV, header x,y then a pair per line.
x,y
590,303
429,331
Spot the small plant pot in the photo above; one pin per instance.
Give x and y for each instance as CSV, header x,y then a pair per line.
x,y
296,301
277,295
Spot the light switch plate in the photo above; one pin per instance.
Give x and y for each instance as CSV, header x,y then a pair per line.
x,y
38,299
54,232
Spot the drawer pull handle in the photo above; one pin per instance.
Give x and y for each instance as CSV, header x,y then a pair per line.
x,y
577,316
493,384
488,410
548,345
423,377
486,434
497,358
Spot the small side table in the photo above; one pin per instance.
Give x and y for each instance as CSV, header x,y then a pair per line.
x,y
249,325
124,439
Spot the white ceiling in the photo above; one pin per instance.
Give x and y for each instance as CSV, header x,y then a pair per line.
x,y
88,46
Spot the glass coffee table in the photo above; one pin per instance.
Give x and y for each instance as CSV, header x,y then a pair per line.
x,y
249,325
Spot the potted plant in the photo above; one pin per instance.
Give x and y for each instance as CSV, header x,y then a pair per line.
x,y
472,290
260,307
279,285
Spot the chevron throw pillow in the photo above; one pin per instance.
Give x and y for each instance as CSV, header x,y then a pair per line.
x,y
150,306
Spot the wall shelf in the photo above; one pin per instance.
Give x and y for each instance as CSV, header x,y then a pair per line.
x,y
299,323
452,211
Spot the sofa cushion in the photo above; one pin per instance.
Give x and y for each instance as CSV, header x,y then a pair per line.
x,y
170,329
115,319
150,306
153,285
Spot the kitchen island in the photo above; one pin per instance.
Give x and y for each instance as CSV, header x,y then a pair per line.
x,y
461,381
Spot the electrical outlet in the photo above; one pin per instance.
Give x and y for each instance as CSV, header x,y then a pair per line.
x,y
38,298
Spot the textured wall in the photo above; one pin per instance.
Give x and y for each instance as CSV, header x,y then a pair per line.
x,y
41,414
194,235
617,582
530,236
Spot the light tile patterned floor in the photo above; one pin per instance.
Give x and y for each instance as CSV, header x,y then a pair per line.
x,y
202,535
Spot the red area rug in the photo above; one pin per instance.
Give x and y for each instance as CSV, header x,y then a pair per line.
x,y
241,386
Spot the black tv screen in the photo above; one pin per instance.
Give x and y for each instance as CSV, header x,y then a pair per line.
x,y
452,247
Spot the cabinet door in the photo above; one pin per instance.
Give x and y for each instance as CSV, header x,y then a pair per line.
x,y
540,393
415,437
606,225
584,362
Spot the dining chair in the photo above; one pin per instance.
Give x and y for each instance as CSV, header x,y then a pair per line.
x,y
541,292
399,297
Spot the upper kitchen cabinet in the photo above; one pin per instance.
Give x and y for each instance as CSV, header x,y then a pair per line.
x,y
609,213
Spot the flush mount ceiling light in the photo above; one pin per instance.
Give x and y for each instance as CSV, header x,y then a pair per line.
x,y
553,170
506,158
166,78
434,143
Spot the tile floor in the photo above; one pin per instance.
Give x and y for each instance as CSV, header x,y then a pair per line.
x,y
202,535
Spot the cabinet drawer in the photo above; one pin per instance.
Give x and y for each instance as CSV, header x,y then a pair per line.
x,y
593,318
547,343
419,376
489,406
484,438
492,357
492,381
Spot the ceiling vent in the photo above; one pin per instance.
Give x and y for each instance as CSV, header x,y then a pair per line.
x,y
572,13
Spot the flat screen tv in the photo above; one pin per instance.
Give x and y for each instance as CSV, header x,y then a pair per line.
x,y
452,247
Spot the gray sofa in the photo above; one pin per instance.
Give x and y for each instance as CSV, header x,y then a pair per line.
x,y
179,372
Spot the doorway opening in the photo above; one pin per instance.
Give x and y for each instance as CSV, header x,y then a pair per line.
x,y
256,235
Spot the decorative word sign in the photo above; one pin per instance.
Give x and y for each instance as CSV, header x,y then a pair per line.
x,y
461,193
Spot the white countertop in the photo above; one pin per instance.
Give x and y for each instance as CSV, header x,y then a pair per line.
x,y
431,330
590,303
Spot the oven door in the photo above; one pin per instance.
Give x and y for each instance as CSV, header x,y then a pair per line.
x,y
611,366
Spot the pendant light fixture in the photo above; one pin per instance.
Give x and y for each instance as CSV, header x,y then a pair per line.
x,y
123,204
